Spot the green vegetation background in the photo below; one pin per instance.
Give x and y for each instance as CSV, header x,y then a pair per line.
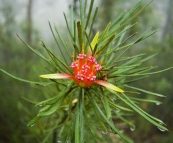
x,y
17,59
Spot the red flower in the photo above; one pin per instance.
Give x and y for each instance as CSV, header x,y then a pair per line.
x,y
85,69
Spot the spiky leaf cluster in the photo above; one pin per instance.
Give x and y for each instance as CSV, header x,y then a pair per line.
x,y
76,113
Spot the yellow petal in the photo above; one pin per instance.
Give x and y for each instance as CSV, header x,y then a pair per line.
x,y
95,40
108,85
57,76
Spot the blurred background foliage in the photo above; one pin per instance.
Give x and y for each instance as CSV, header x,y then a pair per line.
x,y
17,59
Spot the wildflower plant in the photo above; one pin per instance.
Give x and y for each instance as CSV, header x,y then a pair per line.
x,y
91,74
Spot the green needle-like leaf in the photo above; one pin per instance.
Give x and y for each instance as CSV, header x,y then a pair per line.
x,y
71,130
124,120
58,43
35,51
27,81
145,91
106,120
141,112
55,99
68,26
93,20
81,115
79,27
105,32
106,105
32,122
77,124
113,105
89,14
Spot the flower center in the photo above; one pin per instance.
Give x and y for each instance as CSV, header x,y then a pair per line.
x,y
85,70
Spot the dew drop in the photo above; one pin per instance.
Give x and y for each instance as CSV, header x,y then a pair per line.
x,y
132,128
158,103
104,132
32,125
66,109
59,141
161,123
160,128
118,110
109,117
40,105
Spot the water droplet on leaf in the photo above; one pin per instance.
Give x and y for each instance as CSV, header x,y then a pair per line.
x,y
66,109
158,103
32,125
132,128
118,110
160,128
104,132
